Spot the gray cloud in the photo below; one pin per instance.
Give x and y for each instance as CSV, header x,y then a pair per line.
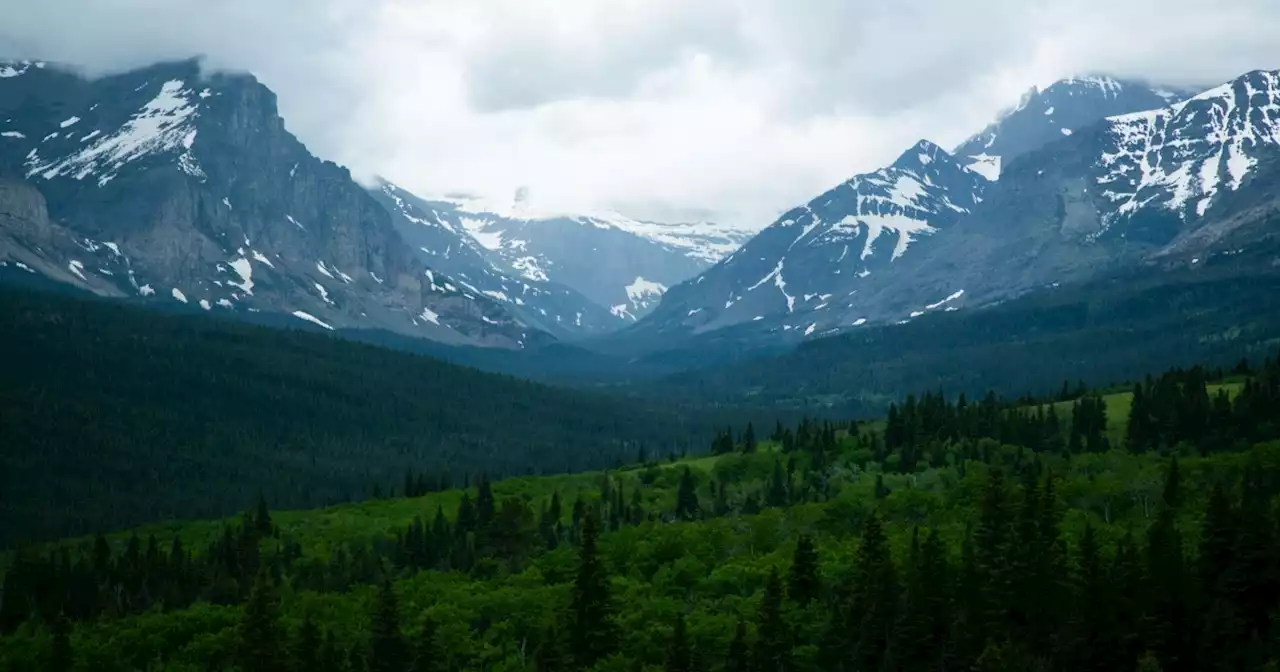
x,y
739,107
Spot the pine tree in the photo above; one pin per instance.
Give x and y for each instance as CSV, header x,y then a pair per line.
x,y
592,637
687,507
993,554
262,518
387,650
749,439
803,584
773,639
875,594
550,655
60,655
1172,494
306,646
679,657
260,648
739,659
777,495
428,655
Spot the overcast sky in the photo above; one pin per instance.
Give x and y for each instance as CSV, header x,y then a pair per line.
x,y
742,108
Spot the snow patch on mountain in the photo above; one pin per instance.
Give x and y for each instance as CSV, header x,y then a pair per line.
x,y
1183,154
165,124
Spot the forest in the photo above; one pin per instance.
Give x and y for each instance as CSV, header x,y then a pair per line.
x,y
1118,328
1131,529
112,416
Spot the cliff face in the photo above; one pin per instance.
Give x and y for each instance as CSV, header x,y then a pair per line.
x,y
167,185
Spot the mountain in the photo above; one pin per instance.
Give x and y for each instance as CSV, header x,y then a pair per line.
x,y
819,254
622,264
442,243
172,186
1173,186
1062,108
957,235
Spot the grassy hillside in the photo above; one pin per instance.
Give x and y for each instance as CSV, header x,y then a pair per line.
x,y
783,540
111,416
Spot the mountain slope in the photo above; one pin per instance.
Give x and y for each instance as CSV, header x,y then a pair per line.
x,y
167,185
1038,225
1164,187
1062,108
820,254
619,263
441,243
149,416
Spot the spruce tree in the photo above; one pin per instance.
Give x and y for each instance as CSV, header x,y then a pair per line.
x,y
679,656
749,439
803,584
306,646
739,659
687,507
1172,494
260,648
550,655
773,639
387,650
875,595
428,655
60,655
593,633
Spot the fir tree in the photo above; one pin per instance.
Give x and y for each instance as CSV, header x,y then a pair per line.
x,y
260,647
749,439
679,657
306,646
387,650
550,655
773,639
687,507
60,655
739,659
1172,494
875,594
803,584
592,637
428,654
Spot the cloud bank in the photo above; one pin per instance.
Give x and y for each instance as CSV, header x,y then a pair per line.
x,y
732,108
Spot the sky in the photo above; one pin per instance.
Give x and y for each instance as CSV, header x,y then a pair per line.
x,y
734,110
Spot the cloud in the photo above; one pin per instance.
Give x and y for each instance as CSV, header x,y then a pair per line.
x,y
736,107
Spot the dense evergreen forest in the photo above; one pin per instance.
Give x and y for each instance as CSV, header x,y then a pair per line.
x,y
1134,530
112,416
1117,329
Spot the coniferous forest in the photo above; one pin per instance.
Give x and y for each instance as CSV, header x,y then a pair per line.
x,y
113,416
1123,529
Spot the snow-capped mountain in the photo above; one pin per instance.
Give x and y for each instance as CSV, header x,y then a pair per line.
x,y
822,252
444,245
1062,108
1189,178
1174,186
170,185
619,263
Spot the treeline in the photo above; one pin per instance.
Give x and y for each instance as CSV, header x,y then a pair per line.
x,y
113,416
1117,329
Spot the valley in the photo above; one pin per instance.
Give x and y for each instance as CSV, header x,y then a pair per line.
x,y
957,400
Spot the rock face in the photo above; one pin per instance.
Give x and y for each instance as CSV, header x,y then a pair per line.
x,y
1066,106
442,243
821,253
1169,185
165,184
621,264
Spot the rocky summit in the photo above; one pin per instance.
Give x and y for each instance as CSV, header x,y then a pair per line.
x,y
168,185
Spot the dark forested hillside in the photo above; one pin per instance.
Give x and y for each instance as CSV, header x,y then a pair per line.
x,y
1216,312
113,416
1129,531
